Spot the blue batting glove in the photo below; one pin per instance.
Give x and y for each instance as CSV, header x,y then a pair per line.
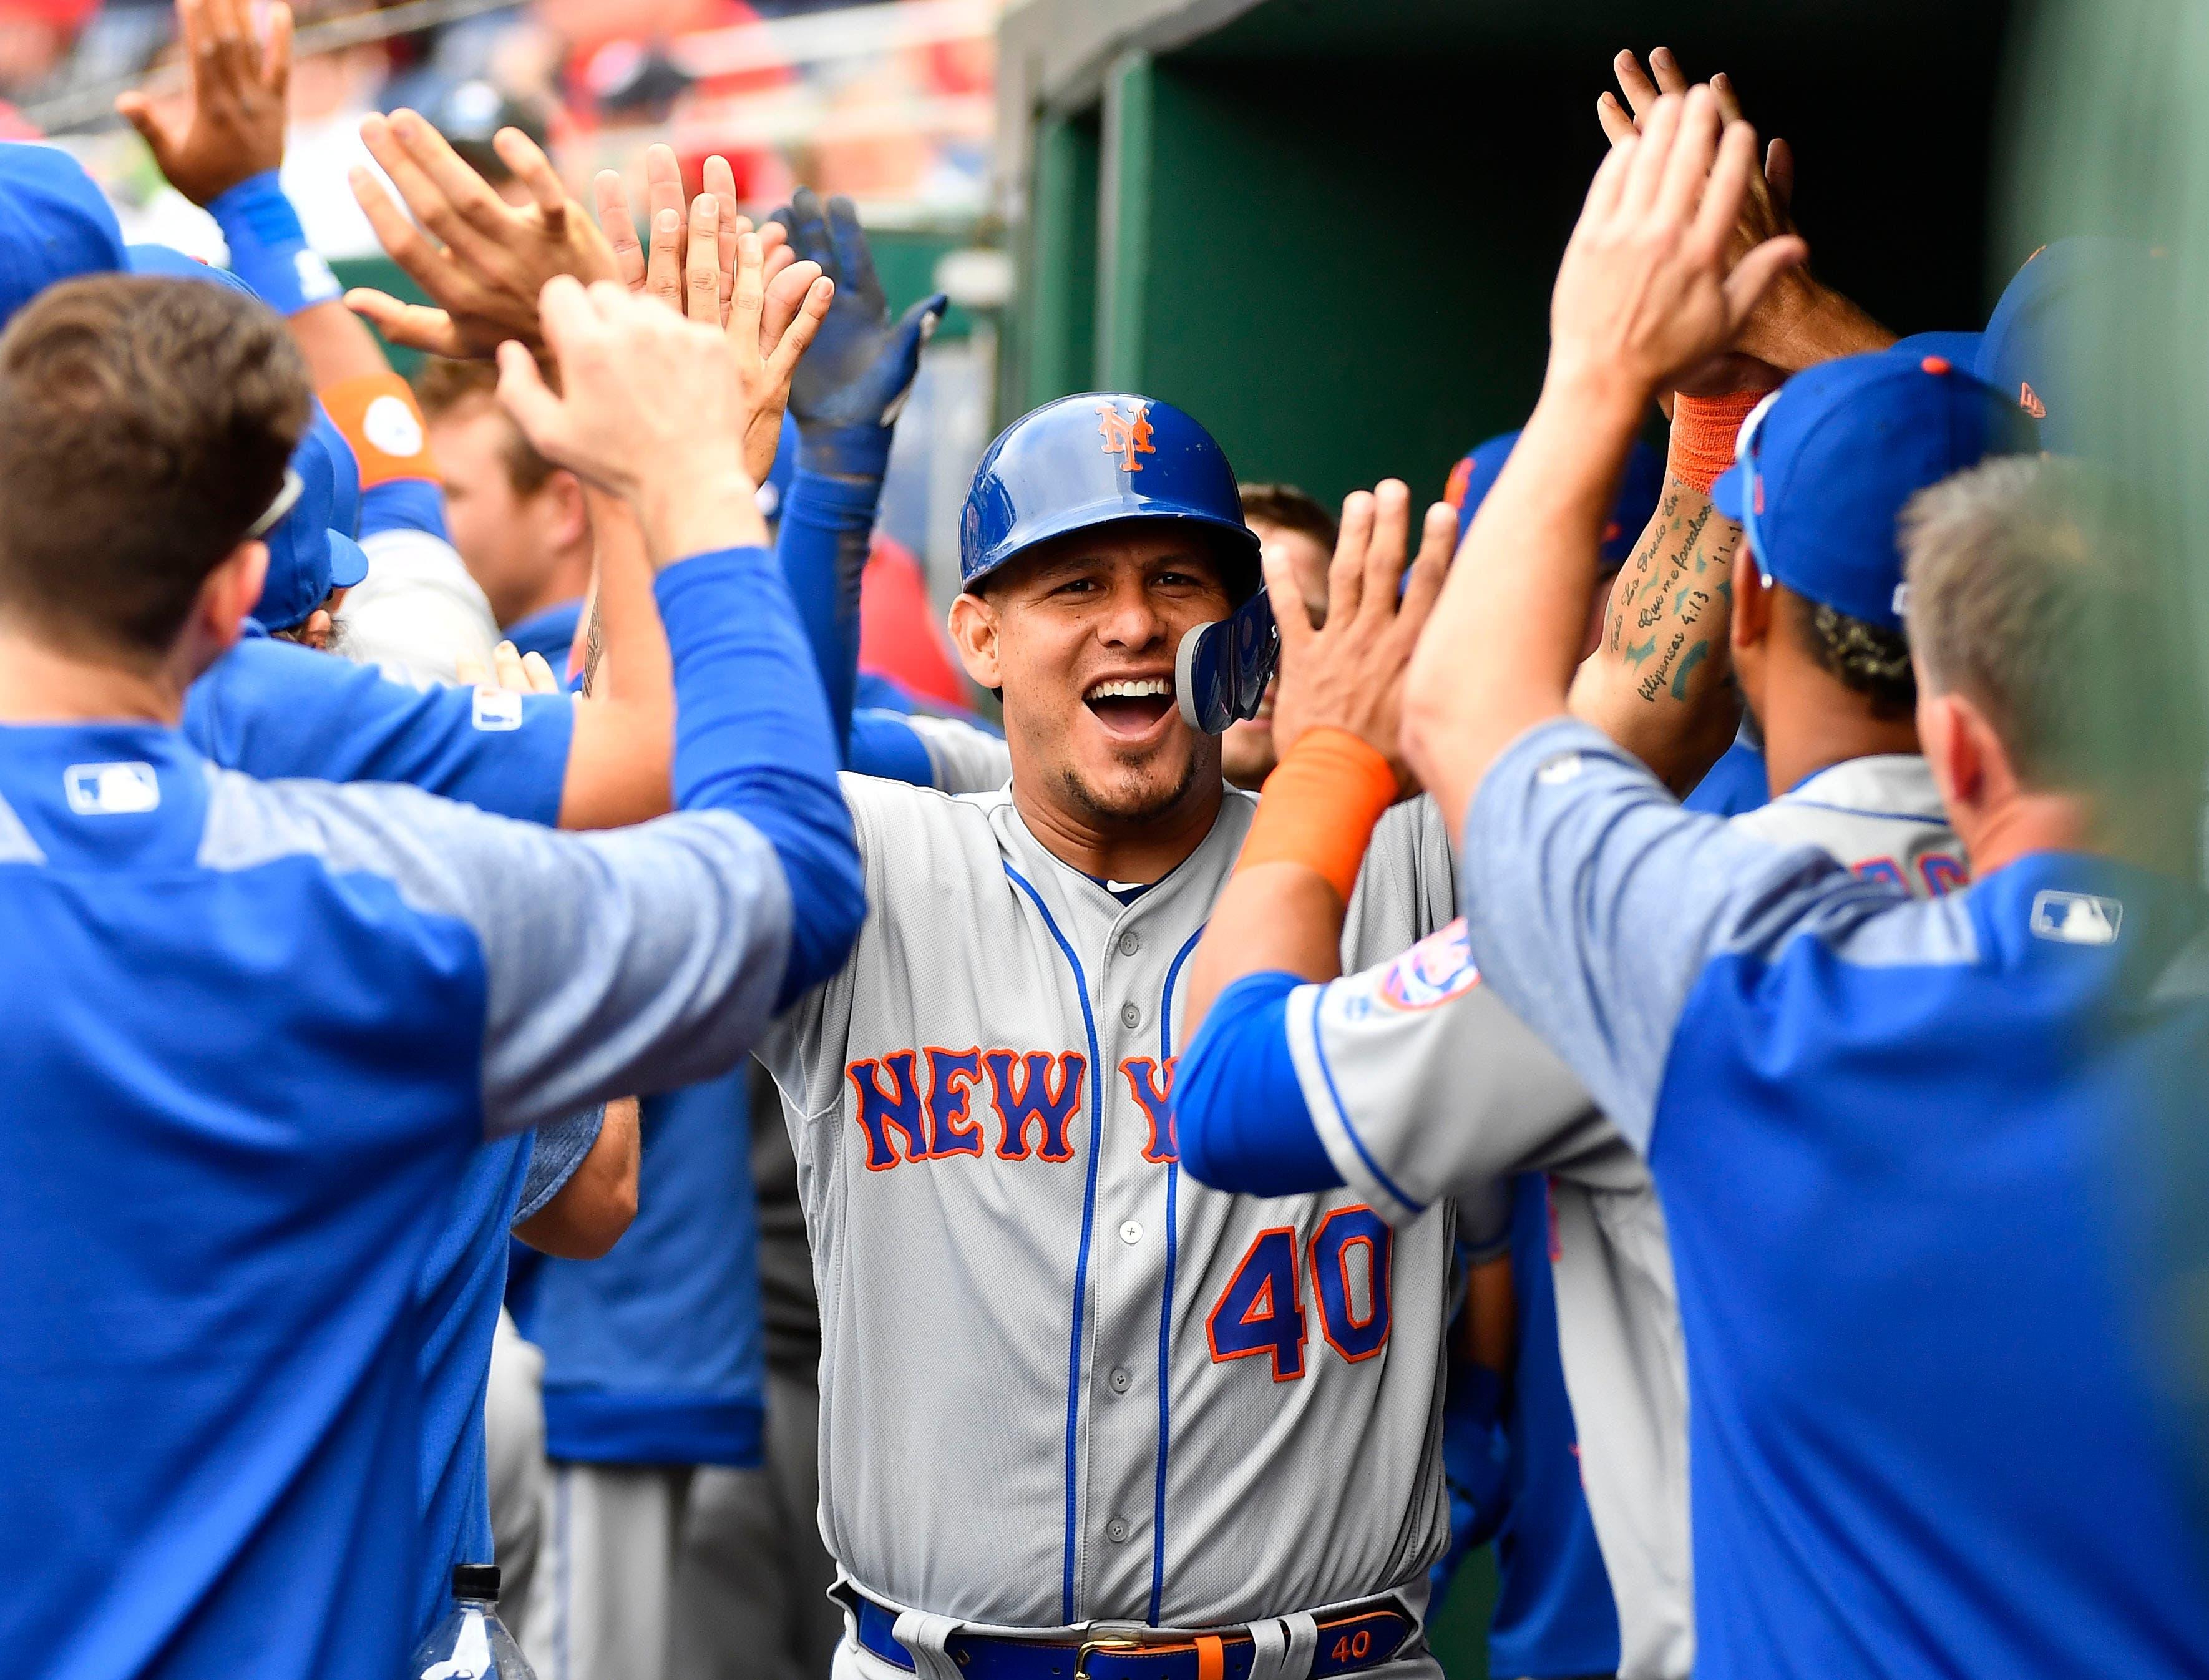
x,y
855,377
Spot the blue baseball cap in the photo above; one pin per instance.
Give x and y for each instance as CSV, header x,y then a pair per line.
x,y
2025,354
1473,477
168,263
307,558
1961,348
55,224
1825,463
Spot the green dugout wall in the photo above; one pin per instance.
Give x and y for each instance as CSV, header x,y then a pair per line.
x,y
1328,228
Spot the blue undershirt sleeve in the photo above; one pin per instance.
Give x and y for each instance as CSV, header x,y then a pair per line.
x,y
884,745
1240,1121
752,736
826,524
404,504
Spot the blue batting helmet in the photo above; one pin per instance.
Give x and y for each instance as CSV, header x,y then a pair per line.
x,y
1102,458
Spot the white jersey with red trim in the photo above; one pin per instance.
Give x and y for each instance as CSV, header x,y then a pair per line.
x,y
1062,1382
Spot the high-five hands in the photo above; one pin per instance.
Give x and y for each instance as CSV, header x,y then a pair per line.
x,y
690,264
1651,283
235,128
1798,321
658,266
656,408
484,261
1349,674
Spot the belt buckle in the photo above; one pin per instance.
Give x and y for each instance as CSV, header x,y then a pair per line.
x,y
1116,1644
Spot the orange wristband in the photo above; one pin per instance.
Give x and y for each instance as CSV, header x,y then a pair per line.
x,y
381,419
1318,806
1703,433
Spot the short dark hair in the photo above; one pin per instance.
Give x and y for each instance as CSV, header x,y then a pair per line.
x,y
1868,658
442,385
1291,510
2034,591
145,425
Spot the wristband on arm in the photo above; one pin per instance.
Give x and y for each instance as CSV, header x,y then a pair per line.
x,y
380,418
1319,806
268,248
1704,430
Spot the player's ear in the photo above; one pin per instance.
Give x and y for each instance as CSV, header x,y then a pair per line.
x,y
230,592
974,633
1752,602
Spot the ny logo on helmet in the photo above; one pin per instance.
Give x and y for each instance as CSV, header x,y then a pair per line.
x,y
1124,437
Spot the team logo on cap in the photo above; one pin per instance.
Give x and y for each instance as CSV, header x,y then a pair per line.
x,y
1434,970
1124,437
2076,919
111,789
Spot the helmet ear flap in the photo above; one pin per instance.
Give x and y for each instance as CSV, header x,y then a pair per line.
x,y
1221,670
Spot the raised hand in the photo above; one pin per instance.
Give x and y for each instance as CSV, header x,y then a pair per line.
x,y
659,267
768,322
1350,674
235,129
483,263
863,367
652,407
1799,322
1650,283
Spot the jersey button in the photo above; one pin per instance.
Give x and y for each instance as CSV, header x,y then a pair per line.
x,y
1130,942
1121,1379
1116,1530
1132,1232
1130,1016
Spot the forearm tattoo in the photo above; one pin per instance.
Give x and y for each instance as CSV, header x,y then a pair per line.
x,y
1661,620
595,643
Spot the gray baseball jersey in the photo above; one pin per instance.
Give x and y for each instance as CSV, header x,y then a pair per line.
x,y
1062,1383
1421,1084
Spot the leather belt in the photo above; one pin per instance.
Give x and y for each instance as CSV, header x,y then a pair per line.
x,y
1357,1637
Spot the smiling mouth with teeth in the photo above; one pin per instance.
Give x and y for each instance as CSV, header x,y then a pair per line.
x,y
1129,705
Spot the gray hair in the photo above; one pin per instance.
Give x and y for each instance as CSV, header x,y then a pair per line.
x,y
2031,597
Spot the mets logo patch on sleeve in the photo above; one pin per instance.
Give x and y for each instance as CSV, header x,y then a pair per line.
x,y
1434,970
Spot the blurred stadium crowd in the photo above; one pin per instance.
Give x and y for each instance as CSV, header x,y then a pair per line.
x,y
889,102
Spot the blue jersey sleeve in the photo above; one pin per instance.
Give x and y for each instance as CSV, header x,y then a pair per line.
x,y
639,960
276,710
752,734
556,1151
884,745
827,523
1240,1121
1597,901
404,504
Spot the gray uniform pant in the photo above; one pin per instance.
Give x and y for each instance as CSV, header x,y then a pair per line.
x,y
675,1572
514,1440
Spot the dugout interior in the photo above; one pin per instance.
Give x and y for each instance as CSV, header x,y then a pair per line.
x,y
1327,227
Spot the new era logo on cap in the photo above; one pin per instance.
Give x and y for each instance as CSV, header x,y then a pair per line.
x,y
111,789
2076,919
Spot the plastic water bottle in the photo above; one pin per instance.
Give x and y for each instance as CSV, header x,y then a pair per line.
x,y
471,1643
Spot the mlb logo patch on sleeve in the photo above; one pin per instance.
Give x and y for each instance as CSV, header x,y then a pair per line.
x,y
111,789
497,709
2076,919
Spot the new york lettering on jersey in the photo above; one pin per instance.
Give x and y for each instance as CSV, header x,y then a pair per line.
x,y
1229,1411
